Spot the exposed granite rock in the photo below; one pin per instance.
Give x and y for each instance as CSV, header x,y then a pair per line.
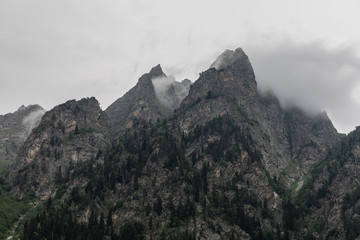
x,y
228,58
236,81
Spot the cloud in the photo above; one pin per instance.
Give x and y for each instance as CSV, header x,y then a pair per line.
x,y
169,92
312,76
32,120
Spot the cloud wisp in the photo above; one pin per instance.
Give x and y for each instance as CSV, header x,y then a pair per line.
x,y
32,120
169,92
313,77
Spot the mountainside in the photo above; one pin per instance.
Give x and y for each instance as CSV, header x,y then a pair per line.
x,y
14,129
214,159
330,198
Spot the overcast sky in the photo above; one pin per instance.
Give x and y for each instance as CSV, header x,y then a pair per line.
x,y
307,52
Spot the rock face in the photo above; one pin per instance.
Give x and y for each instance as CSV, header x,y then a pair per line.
x,y
66,136
14,129
155,96
236,80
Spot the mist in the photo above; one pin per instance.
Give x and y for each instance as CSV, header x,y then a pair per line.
x,y
32,120
169,92
312,76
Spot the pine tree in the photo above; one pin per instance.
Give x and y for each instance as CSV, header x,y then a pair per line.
x,y
109,221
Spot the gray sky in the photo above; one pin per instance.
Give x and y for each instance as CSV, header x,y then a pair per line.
x,y
307,52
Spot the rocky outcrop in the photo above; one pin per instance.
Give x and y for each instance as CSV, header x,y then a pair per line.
x,y
66,136
14,129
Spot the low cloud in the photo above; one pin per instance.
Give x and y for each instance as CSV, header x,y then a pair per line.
x,y
32,120
169,92
312,76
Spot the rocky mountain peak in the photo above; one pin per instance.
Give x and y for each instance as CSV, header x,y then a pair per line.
x,y
140,102
155,96
228,58
156,71
231,74
15,128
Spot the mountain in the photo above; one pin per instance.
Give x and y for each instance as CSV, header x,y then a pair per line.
x,y
67,135
14,129
215,159
290,140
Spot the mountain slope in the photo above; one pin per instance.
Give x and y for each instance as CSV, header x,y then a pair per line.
x,y
147,178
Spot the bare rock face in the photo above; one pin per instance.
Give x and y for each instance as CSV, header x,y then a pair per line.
x,y
67,135
14,129
144,102
235,79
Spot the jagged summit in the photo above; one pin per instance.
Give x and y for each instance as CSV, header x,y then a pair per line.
x,y
155,96
231,74
156,71
228,58
140,102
